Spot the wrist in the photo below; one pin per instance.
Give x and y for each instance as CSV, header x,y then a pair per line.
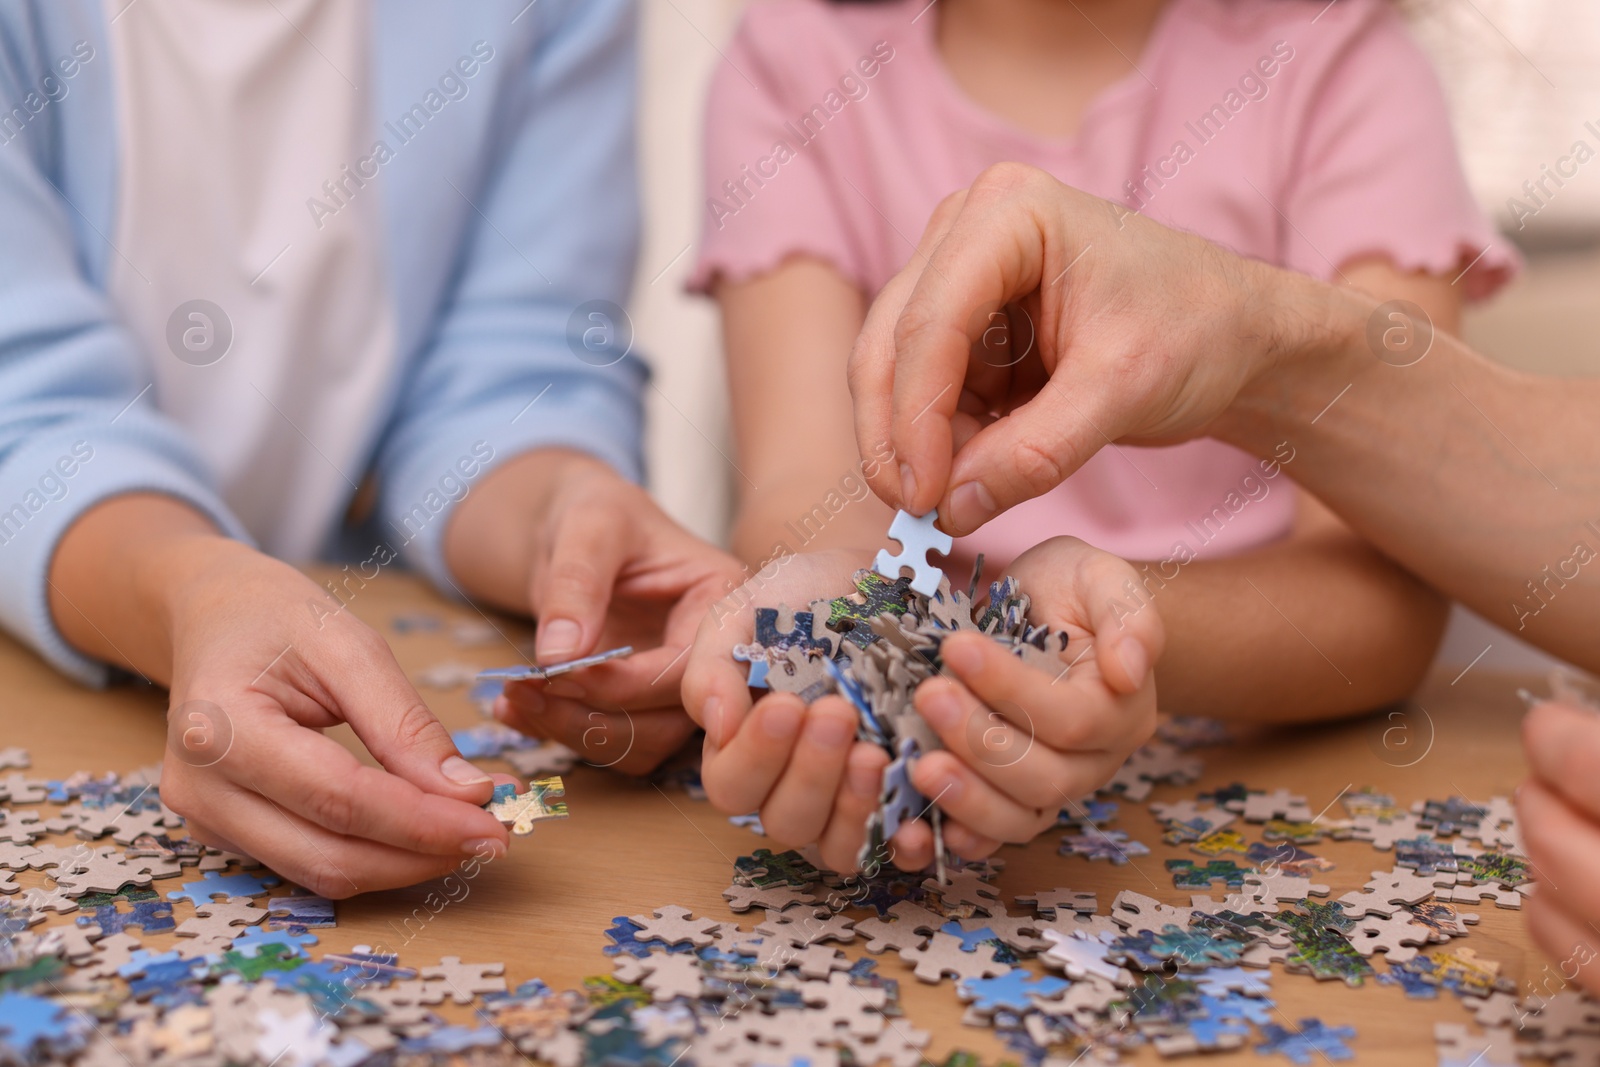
x,y
496,530
1306,341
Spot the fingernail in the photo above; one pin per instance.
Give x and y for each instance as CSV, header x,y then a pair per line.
x,y
782,720
828,731
461,772
908,484
940,708
711,715
971,505
485,848
864,781
557,639
945,791
1134,660
561,687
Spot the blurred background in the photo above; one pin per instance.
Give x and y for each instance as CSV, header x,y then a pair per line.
x,y
1522,77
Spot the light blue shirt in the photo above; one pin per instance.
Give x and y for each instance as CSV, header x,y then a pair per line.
x,y
513,218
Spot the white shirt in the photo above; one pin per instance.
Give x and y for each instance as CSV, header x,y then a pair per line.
x,y
232,115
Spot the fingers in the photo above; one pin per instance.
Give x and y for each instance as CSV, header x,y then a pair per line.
x,y
992,253
856,800
797,809
373,695
319,780
715,689
632,742
572,585
738,776
872,368
965,796
1569,940
1077,585
1563,746
326,863
1563,847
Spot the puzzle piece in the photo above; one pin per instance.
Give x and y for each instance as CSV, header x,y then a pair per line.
x,y
1110,845
538,802
943,955
674,926
1014,990
917,536
1310,1039
213,884
1187,874
302,910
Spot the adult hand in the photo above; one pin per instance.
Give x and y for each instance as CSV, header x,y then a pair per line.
x,y
1558,810
263,660
604,566
1118,329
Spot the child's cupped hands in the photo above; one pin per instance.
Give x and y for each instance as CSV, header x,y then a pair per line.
x,y
1019,742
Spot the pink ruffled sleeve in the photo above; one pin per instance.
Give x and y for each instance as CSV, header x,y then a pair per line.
x,y
1377,172
768,195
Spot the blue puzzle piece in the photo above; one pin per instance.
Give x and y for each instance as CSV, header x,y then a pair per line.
x,y
1011,990
1312,1038
167,979
622,935
970,940
250,942
1238,1007
304,912
151,916
489,740
214,884
332,990
29,1024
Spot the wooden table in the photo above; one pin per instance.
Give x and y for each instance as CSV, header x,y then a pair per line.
x,y
630,846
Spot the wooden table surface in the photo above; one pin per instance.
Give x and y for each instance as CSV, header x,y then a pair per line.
x,y
630,846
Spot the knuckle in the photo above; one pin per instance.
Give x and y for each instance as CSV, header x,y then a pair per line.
x,y
332,806
1005,178
417,727
1035,466
323,879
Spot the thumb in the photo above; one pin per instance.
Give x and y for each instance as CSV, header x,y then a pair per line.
x,y
1129,635
386,712
572,587
1023,454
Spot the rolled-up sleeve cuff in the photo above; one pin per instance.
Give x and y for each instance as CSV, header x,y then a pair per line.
x,y
601,418
41,502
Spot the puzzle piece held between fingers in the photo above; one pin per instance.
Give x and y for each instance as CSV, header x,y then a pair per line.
x,y
521,810
917,536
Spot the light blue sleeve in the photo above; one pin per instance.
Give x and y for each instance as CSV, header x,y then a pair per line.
x,y
71,433
529,350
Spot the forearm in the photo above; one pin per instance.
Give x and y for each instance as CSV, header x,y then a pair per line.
x,y
114,575
778,522
1482,481
1307,629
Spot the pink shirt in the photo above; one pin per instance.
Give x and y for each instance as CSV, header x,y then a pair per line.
x,y
1298,132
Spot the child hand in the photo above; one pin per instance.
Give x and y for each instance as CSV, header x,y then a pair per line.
x,y
800,767
1020,743
263,660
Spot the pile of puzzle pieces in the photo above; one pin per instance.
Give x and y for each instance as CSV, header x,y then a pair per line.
x,y
811,976
876,645
239,984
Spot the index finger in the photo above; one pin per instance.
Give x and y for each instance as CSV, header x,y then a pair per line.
x,y
991,253
871,369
